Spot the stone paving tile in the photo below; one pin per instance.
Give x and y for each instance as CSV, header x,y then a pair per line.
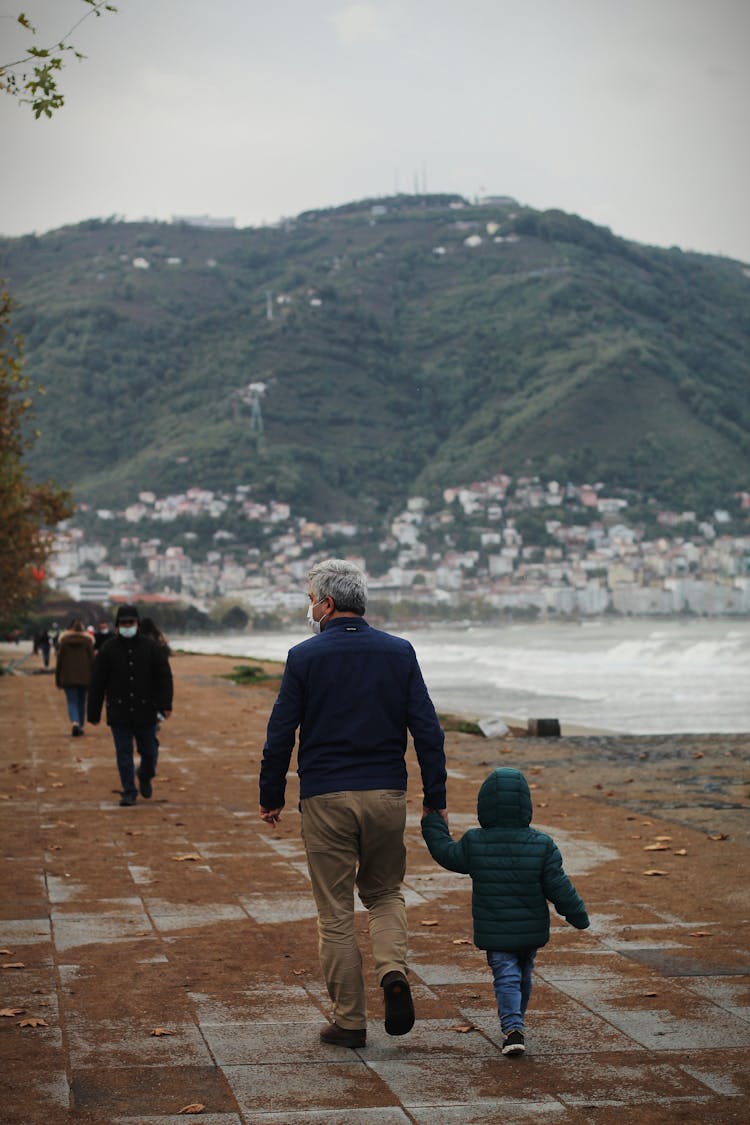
x,y
50,1095
268,908
662,1027
260,1006
168,916
571,1031
246,1044
435,975
129,1091
98,928
178,1119
497,1112
318,1087
732,994
24,931
387,1115
616,1080
128,1043
725,1072
428,1037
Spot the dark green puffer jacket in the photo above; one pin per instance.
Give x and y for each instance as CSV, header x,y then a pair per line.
x,y
514,869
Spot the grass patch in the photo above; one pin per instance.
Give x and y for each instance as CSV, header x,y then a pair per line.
x,y
457,723
249,674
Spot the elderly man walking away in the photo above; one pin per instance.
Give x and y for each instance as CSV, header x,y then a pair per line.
x,y
354,692
133,673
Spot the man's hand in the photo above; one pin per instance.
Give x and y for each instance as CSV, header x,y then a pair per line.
x,y
271,816
443,812
166,714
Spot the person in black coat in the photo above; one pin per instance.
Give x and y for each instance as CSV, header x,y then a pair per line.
x,y
133,674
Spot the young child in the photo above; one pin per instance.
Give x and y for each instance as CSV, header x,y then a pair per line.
x,y
514,871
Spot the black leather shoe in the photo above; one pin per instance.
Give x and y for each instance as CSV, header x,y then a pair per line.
x,y
343,1036
144,784
399,1007
128,799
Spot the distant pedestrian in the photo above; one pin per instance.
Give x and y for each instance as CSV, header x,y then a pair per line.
x,y
514,870
132,672
149,628
354,692
104,633
75,659
43,644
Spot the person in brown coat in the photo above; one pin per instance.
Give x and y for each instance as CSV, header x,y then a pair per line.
x,y
75,660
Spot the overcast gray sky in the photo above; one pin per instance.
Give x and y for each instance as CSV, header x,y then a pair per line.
x,y
632,113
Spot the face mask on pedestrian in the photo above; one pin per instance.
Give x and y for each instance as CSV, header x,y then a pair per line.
x,y
315,625
128,631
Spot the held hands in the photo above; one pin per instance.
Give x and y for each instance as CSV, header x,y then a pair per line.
x,y
443,812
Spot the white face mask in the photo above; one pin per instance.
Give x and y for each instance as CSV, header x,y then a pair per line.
x,y
128,631
314,625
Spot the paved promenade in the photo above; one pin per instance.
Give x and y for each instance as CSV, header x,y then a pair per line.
x,y
163,957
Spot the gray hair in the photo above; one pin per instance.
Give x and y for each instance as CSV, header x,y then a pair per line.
x,y
341,581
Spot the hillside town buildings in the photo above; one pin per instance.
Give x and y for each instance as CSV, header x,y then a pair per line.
x,y
495,546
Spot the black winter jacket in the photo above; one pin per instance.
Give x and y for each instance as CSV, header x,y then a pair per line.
x,y
514,868
135,677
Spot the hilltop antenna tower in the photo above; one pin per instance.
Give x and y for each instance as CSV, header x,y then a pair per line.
x,y
269,305
251,396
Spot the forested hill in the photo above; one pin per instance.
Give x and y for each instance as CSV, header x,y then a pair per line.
x,y
404,345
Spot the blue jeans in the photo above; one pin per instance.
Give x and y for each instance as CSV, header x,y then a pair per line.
x,y
147,745
511,975
75,697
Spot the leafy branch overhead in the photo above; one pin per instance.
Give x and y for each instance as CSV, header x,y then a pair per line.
x,y
34,78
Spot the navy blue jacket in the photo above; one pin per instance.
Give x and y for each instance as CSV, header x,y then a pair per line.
x,y
353,691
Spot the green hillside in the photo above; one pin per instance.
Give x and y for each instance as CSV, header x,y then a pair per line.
x,y
552,346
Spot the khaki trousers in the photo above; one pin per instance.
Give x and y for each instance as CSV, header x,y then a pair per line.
x,y
356,838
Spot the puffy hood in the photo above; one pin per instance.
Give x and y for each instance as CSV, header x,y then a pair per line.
x,y
73,637
504,800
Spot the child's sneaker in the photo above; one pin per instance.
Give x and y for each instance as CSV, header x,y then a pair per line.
x,y
514,1043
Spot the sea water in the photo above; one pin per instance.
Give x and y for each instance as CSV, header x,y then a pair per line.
x,y
631,676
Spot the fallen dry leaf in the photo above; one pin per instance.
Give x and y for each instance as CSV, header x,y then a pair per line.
x,y
543,804
57,785
33,1021
14,965
719,836
159,1031
299,972
12,1011
55,847
430,922
462,1028
6,952
662,839
133,832
650,993
701,933
698,754
461,941
193,856
656,848
655,871
65,824
194,1107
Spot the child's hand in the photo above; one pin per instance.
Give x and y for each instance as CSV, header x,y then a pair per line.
x,y
443,812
